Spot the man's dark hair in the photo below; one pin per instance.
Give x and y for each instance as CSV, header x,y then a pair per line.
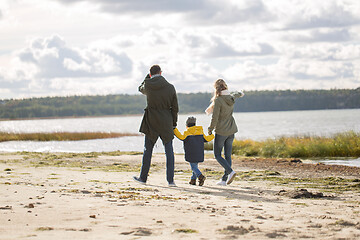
x,y
155,69
191,121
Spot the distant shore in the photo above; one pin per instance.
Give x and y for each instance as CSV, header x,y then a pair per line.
x,y
69,117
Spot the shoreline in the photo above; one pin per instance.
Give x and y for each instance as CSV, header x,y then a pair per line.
x,y
185,113
330,161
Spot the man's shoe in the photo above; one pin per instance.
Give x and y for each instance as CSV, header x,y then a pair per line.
x,y
221,183
172,184
201,180
231,177
192,182
139,180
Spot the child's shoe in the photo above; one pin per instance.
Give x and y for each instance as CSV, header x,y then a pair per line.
x,y
192,182
201,180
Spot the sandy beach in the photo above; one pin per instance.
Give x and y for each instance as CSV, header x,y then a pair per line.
x,y
64,196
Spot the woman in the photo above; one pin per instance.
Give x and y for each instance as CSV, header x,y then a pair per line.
x,y
221,107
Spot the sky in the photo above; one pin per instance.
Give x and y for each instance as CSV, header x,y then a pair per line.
x,y
99,47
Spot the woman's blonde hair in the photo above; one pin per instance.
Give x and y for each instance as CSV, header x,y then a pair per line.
x,y
219,86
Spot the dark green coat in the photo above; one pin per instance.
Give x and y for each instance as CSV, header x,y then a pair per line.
x,y
160,116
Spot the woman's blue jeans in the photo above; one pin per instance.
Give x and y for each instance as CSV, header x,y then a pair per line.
x,y
195,170
146,160
226,143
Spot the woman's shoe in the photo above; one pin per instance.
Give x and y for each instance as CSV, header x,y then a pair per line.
x,y
201,180
231,177
221,183
192,182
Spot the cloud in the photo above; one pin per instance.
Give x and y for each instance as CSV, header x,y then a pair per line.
x,y
324,52
320,70
220,48
199,11
54,59
230,12
144,6
47,66
289,73
318,14
347,52
246,72
155,6
321,35
108,46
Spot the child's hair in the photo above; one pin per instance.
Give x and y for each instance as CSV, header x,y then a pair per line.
x,y
219,85
191,121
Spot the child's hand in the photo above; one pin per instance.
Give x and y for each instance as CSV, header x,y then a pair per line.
x,y
209,132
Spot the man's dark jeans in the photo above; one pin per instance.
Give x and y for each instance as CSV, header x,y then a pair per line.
x,y
146,161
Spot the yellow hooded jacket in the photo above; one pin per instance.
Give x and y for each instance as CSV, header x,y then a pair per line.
x,y
193,139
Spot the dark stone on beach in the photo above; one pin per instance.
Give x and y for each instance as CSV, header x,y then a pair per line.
x,y
85,192
302,193
296,160
142,232
31,205
71,229
85,230
275,235
6,208
235,230
92,216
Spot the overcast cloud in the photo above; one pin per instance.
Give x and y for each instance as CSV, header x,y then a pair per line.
x,y
67,47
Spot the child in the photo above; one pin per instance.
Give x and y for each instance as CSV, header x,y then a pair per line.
x,y
194,139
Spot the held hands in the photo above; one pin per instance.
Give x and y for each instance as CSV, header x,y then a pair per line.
x,y
209,132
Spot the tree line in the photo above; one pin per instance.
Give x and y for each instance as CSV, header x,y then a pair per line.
x,y
121,104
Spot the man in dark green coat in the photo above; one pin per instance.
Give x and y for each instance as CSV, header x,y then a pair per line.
x,y
159,120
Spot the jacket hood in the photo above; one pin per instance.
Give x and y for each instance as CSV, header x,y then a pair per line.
x,y
195,130
156,82
229,100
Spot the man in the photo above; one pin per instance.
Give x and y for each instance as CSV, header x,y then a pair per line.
x,y
159,120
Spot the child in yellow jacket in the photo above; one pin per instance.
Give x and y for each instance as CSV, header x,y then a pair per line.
x,y
194,139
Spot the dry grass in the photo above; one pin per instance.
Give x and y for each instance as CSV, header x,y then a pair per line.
x,y
339,145
60,136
